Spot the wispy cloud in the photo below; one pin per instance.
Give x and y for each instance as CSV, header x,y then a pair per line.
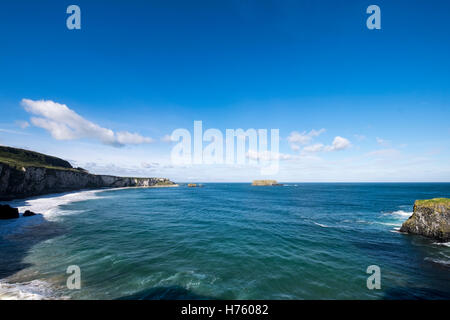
x,y
65,124
314,148
148,165
13,131
338,144
267,155
296,138
383,153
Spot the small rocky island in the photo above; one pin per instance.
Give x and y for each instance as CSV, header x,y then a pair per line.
x,y
25,173
265,183
431,218
194,185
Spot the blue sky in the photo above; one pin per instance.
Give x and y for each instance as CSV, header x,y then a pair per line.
x,y
149,67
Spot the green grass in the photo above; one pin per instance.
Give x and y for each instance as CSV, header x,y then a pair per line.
x,y
19,158
165,183
433,202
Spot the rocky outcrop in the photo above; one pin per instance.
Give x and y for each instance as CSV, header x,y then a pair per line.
x,y
431,218
265,183
28,213
29,181
194,185
6,212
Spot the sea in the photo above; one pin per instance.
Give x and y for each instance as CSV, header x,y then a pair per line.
x,y
225,241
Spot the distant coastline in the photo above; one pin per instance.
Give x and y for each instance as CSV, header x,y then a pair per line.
x,y
25,173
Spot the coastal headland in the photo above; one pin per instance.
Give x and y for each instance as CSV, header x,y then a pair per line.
x,y
25,173
431,218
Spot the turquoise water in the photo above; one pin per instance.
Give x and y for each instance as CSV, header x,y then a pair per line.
x,y
228,241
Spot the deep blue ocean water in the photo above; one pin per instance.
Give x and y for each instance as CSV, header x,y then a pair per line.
x,y
227,241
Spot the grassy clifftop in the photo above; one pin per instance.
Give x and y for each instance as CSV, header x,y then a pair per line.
x,y
431,218
19,158
433,202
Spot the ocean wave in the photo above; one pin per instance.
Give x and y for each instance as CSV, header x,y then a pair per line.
x,y
364,222
18,226
390,224
401,213
445,244
321,225
445,263
49,206
32,290
397,230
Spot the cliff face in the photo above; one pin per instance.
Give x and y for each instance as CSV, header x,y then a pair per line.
x,y
431,218
31,181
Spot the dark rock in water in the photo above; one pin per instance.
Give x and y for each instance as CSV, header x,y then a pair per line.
x,y
431,218
6,212
28,213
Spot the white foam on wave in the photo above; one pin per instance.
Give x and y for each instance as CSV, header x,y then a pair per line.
x,y
321,225
32,290
445,263
445,244
402,213
49,206
397,230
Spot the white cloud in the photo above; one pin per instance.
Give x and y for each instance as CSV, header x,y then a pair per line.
x,y
295,147
149,165
125,137
304,138
339,143
65,124
296,138
13,131
314,148
267,155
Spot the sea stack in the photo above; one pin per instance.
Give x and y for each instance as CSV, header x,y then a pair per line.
x,y
431,218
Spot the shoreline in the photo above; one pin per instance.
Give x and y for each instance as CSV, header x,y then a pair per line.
x,y
7,200
22,203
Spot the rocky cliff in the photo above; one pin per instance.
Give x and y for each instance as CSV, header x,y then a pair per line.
x,y
21,182
431,218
